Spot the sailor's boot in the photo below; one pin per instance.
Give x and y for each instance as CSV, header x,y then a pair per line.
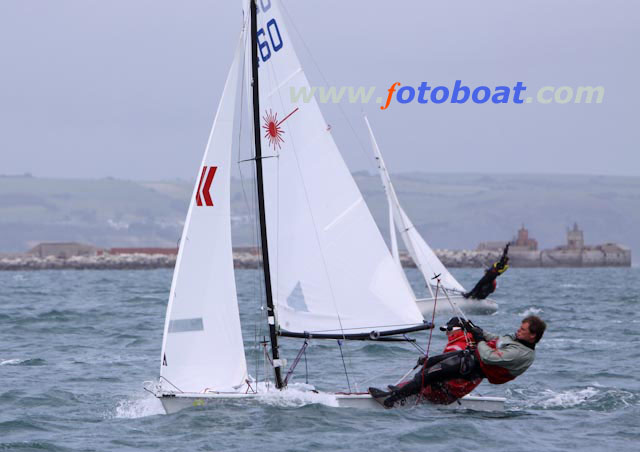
x,y
378,393
399,394
390,401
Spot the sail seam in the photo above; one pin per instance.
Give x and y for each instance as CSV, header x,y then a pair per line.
x,y
287,80
342,215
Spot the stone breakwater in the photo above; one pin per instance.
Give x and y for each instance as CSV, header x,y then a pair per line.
x,y
104,262
459,258
241,259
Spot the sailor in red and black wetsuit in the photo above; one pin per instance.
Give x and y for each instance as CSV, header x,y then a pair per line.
x,y
499,359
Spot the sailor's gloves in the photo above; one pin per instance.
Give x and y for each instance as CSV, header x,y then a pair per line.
x,y
468,325
477,333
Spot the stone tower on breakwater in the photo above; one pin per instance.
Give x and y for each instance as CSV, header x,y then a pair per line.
x,y
524,252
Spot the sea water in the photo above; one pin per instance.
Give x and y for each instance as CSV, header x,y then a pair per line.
x,y
76,347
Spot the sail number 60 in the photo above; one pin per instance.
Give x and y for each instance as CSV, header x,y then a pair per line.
x,y
274,38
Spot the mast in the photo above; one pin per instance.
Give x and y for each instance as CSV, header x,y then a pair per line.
x,y
271,317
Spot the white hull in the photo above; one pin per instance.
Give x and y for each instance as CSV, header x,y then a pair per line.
x,y
467,305
174,403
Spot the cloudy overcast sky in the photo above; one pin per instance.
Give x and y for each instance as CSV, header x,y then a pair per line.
x,y
128,88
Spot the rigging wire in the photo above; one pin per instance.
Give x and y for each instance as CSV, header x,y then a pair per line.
x,y
415,344
251,207
426,357
165,379
306,368
293,366
344,364
457,310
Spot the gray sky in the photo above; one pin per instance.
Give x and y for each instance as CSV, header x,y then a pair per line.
x,y
128,88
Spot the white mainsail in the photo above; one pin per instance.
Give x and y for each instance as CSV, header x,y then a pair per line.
x,y
421,253
330,268
202,346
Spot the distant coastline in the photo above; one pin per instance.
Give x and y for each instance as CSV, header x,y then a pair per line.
x,y
452,211
523,252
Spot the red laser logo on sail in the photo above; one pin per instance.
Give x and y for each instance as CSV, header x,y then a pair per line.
x,y
207,185
273,131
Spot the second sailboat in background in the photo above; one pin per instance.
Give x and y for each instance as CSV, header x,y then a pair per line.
x,y
424,257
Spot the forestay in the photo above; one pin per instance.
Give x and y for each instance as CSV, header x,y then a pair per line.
x,y
202,346
330,268
421,253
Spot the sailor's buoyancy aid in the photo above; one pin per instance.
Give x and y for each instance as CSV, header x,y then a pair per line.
x,y
449,391
495,374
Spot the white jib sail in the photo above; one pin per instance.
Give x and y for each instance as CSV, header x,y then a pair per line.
x,y
331,270
202,346
421,253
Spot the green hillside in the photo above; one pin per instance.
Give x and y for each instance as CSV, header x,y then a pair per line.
x,y
451,210
460,210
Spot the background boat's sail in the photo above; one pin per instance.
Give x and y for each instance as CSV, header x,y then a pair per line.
x,y
421,253
424,257
202,345
331,270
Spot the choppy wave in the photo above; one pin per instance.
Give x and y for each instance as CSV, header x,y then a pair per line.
x,y
31,445
97,344
593,397
137,407
530,311
22,362
565,342
297,395
24,425
565,399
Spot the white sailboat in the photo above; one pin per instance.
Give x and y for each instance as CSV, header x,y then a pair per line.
x,y
423,256
327,271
